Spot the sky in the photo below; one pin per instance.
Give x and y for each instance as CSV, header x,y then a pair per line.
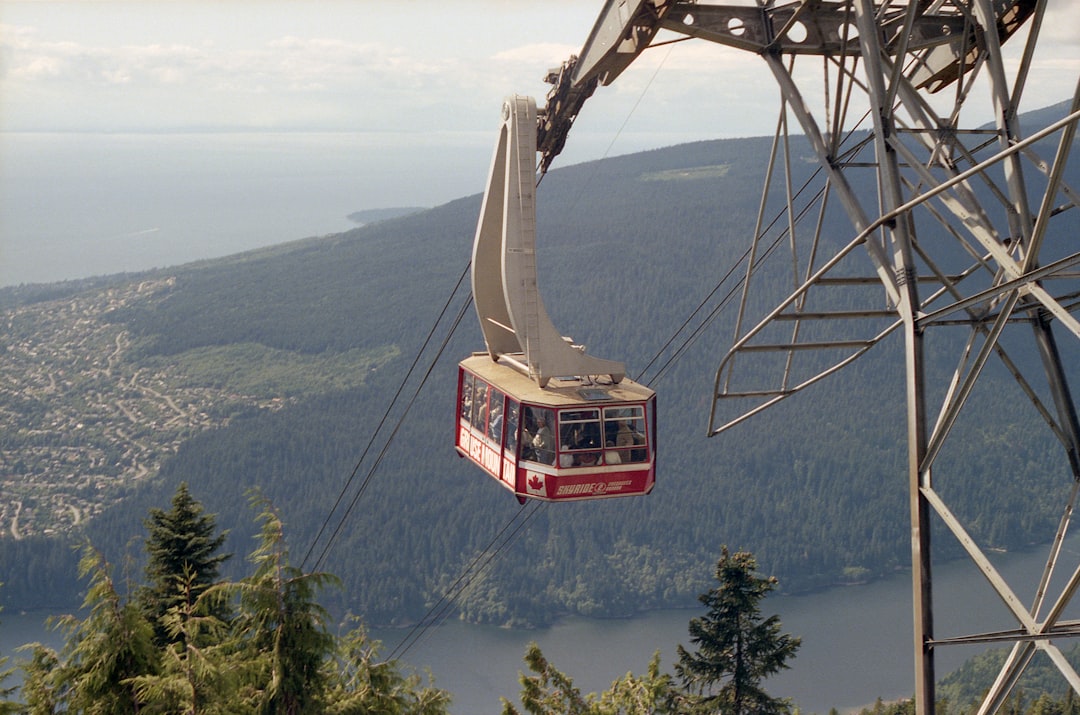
x,y
419,70
429,70
415,85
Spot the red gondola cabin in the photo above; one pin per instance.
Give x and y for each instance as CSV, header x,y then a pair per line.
x,y
540,435
567,441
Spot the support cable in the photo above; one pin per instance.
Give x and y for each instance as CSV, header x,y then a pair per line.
x,y
475,568
718,309
390,438
385,417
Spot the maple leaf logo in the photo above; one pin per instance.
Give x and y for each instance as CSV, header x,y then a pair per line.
x,y
534,483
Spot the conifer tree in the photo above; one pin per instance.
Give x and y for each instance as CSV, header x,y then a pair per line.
x,y
552,692
195,676
549,692
6,692
276,656
362,683
41,690
282,627
736,647
182,555
649,694
105,650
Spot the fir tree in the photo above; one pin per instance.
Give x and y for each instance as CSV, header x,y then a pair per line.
x,y
182,559
282,628
105,650
361,683
6,692
552,692
195,676
549,692
649,694
275,656
42,690
736,647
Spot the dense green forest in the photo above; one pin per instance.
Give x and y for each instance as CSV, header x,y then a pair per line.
x,y
628,248
184,639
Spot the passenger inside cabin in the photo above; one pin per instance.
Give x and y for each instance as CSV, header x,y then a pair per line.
x,y
569,440
579,444
480,399
611,455
629,435
466,398
510,433
543,442
586,459
495,423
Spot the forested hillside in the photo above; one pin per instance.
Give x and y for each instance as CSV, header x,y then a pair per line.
x,y
628,248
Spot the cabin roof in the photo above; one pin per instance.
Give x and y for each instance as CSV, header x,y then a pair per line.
x,y
560,391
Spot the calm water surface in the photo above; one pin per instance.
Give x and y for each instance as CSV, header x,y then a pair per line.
x,y
76,205
856,641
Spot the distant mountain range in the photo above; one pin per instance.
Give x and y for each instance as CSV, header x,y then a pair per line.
x,y
280,364
372,215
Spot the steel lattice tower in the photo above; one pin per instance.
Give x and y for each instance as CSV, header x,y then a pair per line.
x,y
956,223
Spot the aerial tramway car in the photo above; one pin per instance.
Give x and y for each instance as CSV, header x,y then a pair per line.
x,y
574,439
534,411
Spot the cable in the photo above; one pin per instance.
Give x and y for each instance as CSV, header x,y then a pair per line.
x,y
393,433
437,613
386,415
486,556
626,120
690,318
718,309
447,600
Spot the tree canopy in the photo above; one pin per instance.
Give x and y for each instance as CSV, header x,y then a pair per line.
x,y
258,646
736,648
183,558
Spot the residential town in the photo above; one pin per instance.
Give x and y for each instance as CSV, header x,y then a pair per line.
x,y
81,420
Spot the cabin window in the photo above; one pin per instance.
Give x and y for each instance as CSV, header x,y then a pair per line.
x,y
495,415
466,396
538,439
580,438
624,434
510,432
479,404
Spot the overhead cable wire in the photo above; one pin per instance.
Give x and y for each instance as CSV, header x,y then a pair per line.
x,y
393,433
464,580
475,568
701,305
718,309
390,407
626,120
715,312
482,561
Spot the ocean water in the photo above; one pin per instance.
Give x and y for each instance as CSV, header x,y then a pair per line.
x,y
856,641
77,205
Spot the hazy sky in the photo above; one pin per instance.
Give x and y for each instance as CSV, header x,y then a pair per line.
x,y
191,129
428,70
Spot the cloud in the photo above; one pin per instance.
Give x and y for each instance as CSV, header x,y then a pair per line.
x,y
539,54
234,69
1060,25
30,59
285,81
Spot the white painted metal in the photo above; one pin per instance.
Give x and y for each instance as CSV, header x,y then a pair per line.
x,y
516,326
